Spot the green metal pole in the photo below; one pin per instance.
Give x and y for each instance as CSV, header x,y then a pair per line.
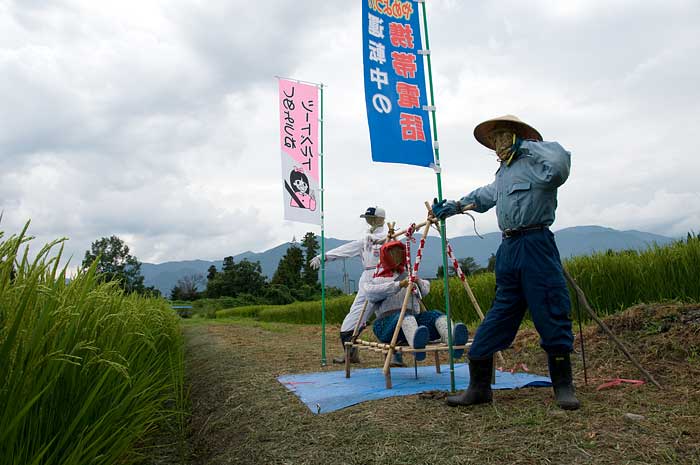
x,y
323,245
443,233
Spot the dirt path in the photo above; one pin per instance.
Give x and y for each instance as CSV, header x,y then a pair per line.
x,y
241,414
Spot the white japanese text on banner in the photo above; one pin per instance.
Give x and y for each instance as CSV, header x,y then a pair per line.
x,y
399,126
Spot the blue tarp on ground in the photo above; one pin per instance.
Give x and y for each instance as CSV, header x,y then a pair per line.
x,y
329,391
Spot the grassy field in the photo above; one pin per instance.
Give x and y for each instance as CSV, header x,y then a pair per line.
x,y
90,375
612,281
242,415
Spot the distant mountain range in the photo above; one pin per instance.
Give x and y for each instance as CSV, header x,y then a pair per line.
x,y
579,240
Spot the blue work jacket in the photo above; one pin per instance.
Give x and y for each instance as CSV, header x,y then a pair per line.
x,y
525,192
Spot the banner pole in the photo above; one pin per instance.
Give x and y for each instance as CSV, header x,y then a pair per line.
x,y
323,243
443,232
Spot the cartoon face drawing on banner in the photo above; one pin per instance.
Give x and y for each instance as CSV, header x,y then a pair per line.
x,y
302,195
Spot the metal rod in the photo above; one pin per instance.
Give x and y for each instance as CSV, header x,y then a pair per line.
x,y
583,346
323,241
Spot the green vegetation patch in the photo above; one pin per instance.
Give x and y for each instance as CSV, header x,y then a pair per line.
x,y
612,281
87,370
308,312
249,311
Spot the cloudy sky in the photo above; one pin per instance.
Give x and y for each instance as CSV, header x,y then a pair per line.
x,y
157,120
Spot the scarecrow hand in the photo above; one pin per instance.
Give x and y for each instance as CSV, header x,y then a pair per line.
x,y
446,208
403,283
315,262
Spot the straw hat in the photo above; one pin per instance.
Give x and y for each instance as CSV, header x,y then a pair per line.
x,y
521,129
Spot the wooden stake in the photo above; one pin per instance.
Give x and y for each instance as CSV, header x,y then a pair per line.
x,y
347,359
356,331
582,299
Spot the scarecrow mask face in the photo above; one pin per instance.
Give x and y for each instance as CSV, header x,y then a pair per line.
x,y
397,255
502,140
374,221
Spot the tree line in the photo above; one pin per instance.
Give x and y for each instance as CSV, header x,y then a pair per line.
x,y
294,278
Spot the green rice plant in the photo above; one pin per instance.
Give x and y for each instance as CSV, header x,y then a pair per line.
x,y
308,312
483,286
249,311
617,280
87,371
612,281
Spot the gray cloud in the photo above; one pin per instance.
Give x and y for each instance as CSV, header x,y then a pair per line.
x,y
158,121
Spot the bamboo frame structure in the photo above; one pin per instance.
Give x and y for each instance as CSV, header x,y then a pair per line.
x,y
388,350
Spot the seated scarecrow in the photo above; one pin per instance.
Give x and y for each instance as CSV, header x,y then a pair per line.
x,y
387,291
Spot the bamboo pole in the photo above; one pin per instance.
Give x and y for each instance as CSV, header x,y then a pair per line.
x,y
405,349
356,331
583,300
355,334
395,336
418,226
348,349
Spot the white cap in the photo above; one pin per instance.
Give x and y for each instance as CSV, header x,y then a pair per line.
x,y
374,211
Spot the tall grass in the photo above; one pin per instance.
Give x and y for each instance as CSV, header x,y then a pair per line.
x,y
612,281
617,280
85,370
308,312
461,309
248,311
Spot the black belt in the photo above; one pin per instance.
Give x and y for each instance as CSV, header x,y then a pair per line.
x,y
508,233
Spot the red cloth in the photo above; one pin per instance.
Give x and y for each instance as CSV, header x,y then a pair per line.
x,y
387,267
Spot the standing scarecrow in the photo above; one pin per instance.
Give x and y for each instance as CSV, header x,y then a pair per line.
x,y
367,247
529,273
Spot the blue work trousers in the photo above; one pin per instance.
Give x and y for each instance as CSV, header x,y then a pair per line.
x,y
529,274
384,327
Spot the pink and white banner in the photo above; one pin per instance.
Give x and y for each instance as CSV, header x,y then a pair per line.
x,y
299,150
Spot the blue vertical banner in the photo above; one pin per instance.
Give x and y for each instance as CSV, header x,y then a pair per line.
x,y
399,126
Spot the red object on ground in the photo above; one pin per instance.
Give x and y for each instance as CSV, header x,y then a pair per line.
x,y
617,382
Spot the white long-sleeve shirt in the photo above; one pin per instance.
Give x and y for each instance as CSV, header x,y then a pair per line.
x,y
367,248
387,295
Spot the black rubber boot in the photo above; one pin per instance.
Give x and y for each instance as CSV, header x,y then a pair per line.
x,y
562,381
479,391
346,336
